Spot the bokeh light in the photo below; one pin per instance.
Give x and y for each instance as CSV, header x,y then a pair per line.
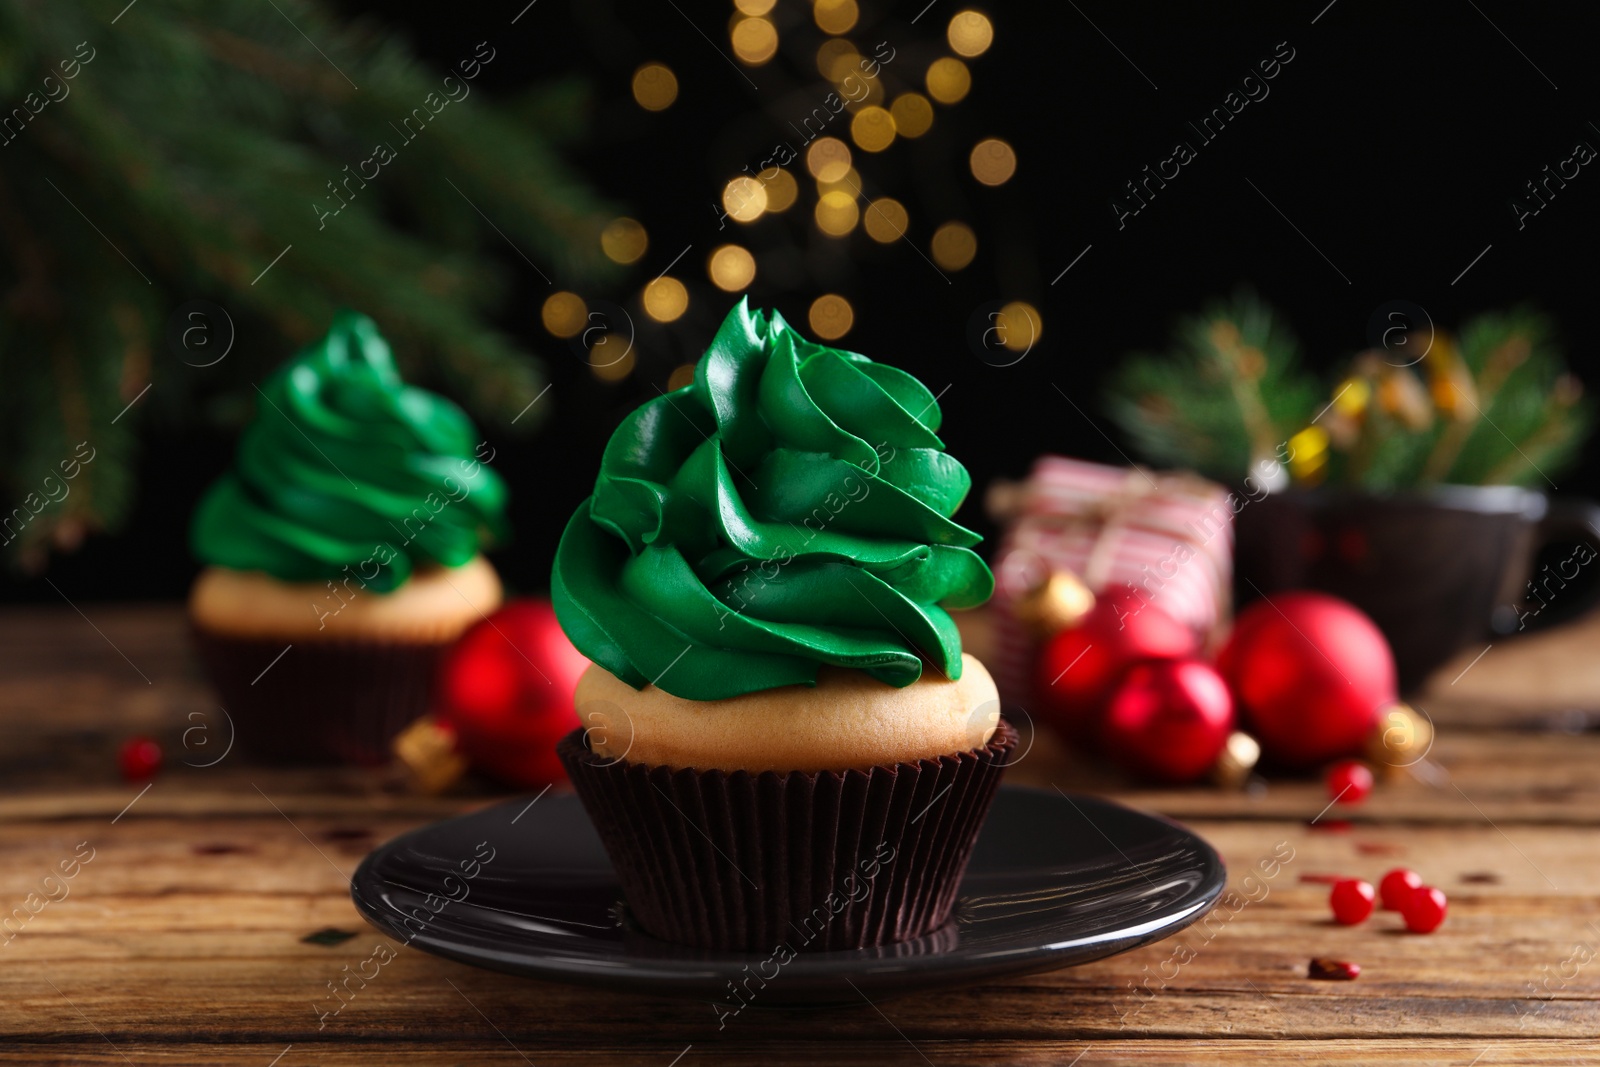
x,y
970,33
781,188
754,7
655,87
993,161
682,375
731,268
665,299
837,213
1019,325
948,80
872,129
849,183
564,314
835,16
611,359
744,199
831,316
828,159
755,41
624,240
885,220
913,115
953,246
836,58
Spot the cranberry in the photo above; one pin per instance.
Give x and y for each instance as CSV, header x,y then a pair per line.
x,y
139,759
1424,910
1349,781
1333,970
1351,900
1397,887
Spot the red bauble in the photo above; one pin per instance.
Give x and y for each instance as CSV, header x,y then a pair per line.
x,y
1080,666
506,688
1349,782
1311,674
139,759
1168,720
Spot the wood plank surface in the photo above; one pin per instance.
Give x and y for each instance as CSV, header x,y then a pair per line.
x,y
180,940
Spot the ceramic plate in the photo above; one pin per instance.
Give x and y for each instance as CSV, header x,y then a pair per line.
x,y
527,889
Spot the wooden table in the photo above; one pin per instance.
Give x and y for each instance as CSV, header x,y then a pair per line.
x,y
182,940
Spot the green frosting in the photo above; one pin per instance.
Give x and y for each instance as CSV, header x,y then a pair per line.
x,y
790,508
348,471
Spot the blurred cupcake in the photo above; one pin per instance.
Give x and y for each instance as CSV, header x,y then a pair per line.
x,y
343,553
784,743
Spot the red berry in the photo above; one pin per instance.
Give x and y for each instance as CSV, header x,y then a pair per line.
x,y
1397,887
1349,781
1351,900
139,759
1333,970
1424,910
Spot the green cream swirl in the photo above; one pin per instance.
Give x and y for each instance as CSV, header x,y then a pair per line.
x,y
346,466
790,508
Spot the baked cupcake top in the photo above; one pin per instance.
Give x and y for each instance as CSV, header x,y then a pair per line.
x,y
787,510
347,470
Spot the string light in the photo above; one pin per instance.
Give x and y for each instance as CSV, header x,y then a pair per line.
x,y
623,240
885,220
564,314
831,316
837,213
993,161
1019,325
970,34
655,87
682,375
948,80
953,246
755,41
744,199
665,299
731,268
828,159
781,188
835,16
912,114
872,129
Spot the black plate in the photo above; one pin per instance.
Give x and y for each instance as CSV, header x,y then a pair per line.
x,y
1054,880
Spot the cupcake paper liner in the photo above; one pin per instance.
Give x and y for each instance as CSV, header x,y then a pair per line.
x,y
322,701
817,862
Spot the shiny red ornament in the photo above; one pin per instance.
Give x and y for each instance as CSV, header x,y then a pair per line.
x,y
1425,909
1168,720
1311,674
1349,782
1397,887
1080,666
506,690
139,759
1351,901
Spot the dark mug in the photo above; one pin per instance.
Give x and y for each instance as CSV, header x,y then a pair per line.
x,y
1436,569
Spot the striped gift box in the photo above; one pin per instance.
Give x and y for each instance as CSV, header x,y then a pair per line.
x,y
1167,535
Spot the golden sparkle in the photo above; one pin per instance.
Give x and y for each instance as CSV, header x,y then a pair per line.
x,y
993,161
948,80
755,40
953,246
831,316
872,129
665,299
731,268
624,240
885,220
564,314
970,33
913,115
655,87
682,375
744,199
1019,325
837,213
835,16
828,159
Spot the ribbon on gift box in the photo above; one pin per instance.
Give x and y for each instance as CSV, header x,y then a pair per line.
x,y
1168,535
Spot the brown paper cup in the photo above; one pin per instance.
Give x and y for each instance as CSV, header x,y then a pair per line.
x,y
818,862
322,701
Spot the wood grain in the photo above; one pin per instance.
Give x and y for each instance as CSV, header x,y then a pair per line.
x,y
180,941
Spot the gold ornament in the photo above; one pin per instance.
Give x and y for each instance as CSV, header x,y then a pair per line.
x,y
1240,754
426,751
1401,740
1056,603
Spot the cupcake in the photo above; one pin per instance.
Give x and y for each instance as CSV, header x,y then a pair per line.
x,y
343,553
784,745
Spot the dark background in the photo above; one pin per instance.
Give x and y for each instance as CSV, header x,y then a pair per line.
x,y
1394,140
